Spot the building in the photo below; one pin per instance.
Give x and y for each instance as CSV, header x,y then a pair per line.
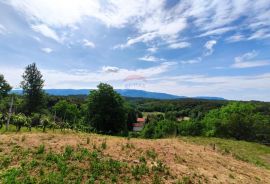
x,y
139,125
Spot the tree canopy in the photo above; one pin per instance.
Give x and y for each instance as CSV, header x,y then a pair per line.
x,y
106,112
4,87
32,86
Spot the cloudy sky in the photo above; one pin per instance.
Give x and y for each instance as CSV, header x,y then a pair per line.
x,y
182,47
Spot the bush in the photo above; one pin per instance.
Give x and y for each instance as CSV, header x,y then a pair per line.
x,y
19,120
190,127
159,129
237,120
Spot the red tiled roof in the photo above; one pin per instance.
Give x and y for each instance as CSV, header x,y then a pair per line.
x,y
141,120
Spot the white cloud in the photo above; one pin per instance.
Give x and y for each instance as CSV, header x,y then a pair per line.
x,y
235,38
192,61
152,49
151,58
46,31
142,38
250,64
247,61
179,45
218,31
57,13
47,50
3,29
151,19
209,46
110,69
260,34
88,43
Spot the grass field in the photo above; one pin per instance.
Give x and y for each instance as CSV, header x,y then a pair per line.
x,y
68,157
246,151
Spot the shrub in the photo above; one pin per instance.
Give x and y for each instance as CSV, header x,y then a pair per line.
x,y
190,127
159,129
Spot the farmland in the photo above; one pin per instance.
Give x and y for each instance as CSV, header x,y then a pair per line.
x,y
69,157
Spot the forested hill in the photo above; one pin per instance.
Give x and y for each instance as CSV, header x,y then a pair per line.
x,y
123,92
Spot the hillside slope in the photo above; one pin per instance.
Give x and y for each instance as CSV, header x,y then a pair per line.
x,y
71,158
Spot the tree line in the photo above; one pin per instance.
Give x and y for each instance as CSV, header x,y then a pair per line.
x,y
105,111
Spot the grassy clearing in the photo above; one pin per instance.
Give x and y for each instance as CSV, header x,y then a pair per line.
x,y
246,151
145,114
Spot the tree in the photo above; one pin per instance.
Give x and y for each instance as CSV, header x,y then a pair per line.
x,y
66,111
4,87
131,116
32,89
237,120
106,112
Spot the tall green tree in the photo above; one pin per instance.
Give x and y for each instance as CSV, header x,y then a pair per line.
x,y
4,87
106,112
32,86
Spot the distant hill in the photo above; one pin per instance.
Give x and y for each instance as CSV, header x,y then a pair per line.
x,y
123,92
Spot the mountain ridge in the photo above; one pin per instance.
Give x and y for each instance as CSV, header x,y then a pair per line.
x,y
123,92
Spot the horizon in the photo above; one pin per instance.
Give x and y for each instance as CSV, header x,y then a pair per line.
x,y
184,48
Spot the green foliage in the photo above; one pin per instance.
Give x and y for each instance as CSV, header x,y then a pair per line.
x,y
131,116
246,151
45,122
32,85
4,87
41,149
237,120
159,129
66,111
19,120
106,112
191,127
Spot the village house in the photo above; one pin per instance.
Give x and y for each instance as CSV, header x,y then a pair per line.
x,y
139,125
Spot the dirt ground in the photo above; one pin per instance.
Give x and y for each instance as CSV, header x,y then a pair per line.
x,y
183,159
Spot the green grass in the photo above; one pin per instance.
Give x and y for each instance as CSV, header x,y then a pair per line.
x,y
246,151
152,113
12,129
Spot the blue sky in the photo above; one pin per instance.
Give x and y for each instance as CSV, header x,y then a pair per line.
x,y
182,47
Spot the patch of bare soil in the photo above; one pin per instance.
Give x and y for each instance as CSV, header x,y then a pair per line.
x,y
186,162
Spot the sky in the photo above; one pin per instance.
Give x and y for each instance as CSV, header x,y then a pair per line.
x,y
182,47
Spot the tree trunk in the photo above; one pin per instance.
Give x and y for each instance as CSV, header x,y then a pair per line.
x,y
9,113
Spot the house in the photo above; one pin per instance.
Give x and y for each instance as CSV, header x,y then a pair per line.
x,y
139,125
185,118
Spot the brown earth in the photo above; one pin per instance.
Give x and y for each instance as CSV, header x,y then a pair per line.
x,y
201,164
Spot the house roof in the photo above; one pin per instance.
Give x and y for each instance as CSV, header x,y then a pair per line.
x,y
140,120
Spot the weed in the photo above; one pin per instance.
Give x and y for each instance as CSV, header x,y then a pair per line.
x,y
87,140
157,179
231,176
159,167
5,162
151,154
104,144
142,159
41,149
23,138
186,180
68,152
139,170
